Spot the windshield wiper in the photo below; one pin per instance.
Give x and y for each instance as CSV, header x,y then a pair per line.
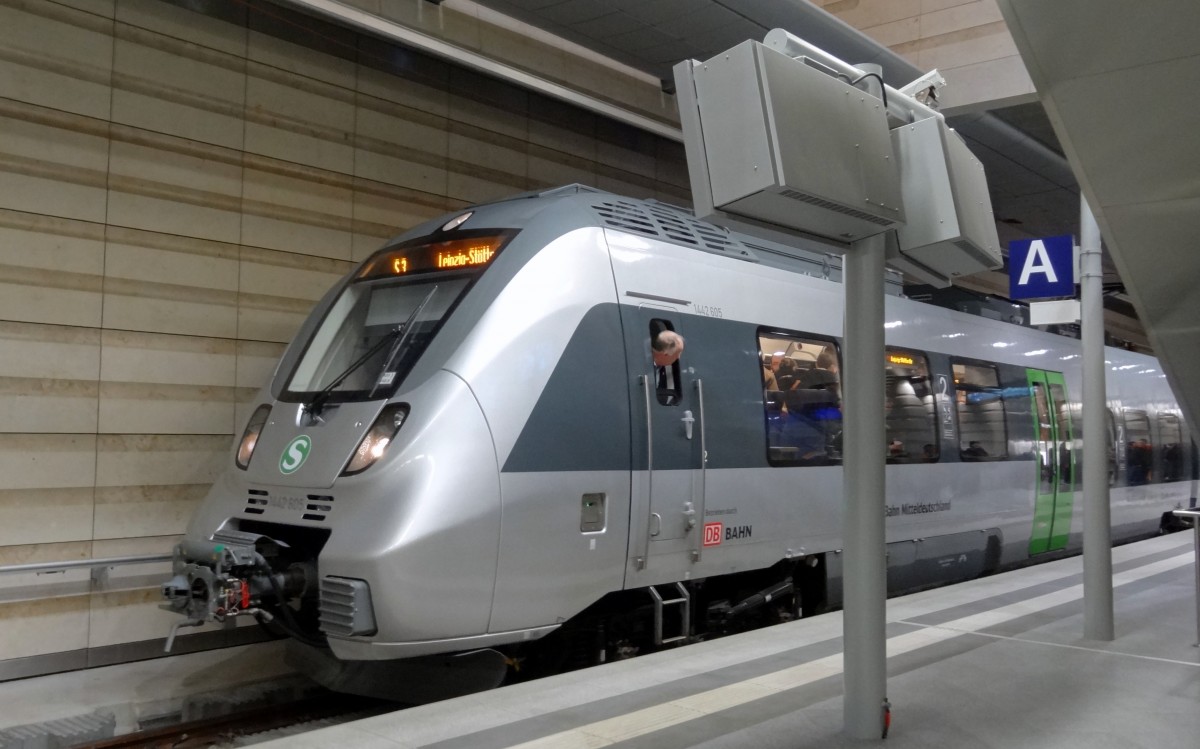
x,y
400,344
317,403
399,334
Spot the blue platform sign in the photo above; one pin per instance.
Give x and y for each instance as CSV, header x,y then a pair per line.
x,y
1041,268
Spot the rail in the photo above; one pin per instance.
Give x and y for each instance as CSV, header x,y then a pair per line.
x,y
1194,516
98,567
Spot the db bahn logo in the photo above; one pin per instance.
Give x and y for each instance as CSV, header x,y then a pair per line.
x,y
716,533
295,454
713,532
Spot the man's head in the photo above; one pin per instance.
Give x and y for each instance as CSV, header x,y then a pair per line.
x,y
666,348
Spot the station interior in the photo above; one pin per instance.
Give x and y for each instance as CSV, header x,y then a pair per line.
x,y
181,181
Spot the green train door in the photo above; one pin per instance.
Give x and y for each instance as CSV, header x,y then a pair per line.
x,y
1052,443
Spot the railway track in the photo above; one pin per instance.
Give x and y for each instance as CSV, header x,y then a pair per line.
x,y
238,729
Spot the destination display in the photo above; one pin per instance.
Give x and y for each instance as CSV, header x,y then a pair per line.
x,y
435,257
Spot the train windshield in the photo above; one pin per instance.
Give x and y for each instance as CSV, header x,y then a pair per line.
x,y
372,336
380,325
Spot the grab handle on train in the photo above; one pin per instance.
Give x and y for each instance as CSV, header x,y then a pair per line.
x,y
688,420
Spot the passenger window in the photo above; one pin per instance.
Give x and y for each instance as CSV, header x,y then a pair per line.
x,y
1170,438
801,398
1139,449
982,427
666,376
909,408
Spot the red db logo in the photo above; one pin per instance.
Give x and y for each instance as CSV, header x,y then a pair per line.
x,y
713,533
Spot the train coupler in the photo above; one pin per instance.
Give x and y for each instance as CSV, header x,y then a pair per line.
x,y
225,578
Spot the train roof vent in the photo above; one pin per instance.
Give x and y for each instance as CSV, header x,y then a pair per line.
x,y
621,214
671,224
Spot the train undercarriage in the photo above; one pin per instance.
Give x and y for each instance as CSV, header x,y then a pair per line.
x,y
274,579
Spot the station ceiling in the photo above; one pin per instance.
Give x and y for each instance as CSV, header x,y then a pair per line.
x,y
1033,196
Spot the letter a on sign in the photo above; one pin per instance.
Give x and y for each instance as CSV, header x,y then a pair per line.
x,y
1041,268
1037,261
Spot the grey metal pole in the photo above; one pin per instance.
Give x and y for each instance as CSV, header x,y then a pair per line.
x,y
1097,519
863,438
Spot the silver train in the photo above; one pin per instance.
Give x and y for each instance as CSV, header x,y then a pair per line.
x,y
466,461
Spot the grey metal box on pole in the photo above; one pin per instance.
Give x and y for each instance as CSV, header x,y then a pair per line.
x,y
790,145
949,230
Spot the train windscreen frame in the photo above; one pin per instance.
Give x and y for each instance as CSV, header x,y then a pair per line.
x,y
381,323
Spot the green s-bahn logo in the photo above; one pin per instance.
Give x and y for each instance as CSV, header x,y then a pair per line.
x,y
295,454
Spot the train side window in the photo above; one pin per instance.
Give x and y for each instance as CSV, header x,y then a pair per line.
x,y
1139,449
982,416
909,408
801,399
666,378
1170,440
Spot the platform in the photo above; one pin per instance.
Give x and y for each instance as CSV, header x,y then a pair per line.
x,y
997,662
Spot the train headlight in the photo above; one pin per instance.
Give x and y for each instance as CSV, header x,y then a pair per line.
x,y
250,436
377,439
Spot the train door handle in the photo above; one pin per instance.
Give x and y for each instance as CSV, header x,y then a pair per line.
x,y
688,420
655,524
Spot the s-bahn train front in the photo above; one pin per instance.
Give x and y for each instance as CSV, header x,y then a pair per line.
x,y
361,506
